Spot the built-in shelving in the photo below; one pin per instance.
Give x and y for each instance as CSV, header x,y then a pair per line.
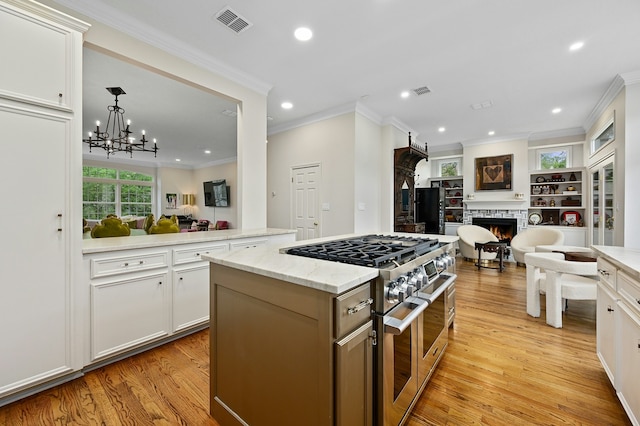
x,y
453,190
557,197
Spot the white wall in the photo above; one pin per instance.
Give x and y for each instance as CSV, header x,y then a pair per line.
x,y
329,143
630,169
176,181
226,171
520,169
367,169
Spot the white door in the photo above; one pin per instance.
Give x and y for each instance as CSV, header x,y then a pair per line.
x,y
305,194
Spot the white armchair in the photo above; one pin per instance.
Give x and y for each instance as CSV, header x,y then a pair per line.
x,y
527,240
561,280
470,235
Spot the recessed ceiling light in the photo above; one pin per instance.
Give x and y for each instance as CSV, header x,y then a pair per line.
x,y
491,133
556,110
404,94
207,151
286,105
441,129
576,46
303,34
177,159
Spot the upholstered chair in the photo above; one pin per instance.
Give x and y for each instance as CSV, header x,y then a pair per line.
x,y
560,280
470,235
527,240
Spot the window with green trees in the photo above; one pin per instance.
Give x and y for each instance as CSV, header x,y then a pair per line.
x,y
554,158
113,191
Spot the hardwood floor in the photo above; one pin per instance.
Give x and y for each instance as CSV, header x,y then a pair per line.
x,y
502,367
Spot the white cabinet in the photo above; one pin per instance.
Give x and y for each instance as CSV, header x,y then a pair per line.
x,y
190,297
606,329
40,170
627,383
618,325
128,313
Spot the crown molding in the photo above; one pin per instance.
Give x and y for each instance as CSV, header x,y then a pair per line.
x,y
609,95
49,13
143,32
505,138
575,131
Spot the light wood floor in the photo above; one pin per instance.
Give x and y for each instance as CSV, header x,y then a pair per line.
x,y
502,367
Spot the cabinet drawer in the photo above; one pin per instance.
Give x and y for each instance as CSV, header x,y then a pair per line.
x,y
124,264
629,290
607,273
246,244
193,254
352,309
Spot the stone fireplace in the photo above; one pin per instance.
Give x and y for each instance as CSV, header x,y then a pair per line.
x,y
503,228
516,216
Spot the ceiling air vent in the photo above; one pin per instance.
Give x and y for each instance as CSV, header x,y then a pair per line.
x,y
232,20
422,90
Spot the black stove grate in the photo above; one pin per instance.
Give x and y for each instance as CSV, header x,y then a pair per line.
x,y
376,251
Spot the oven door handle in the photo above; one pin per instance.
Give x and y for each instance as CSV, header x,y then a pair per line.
x,y
396,326
431,297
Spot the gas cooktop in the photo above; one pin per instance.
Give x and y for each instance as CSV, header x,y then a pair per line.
x,y
378,251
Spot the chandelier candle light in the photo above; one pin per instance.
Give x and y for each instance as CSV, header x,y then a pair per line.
x,y
116,137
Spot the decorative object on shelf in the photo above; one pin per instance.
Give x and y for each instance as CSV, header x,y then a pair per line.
x,y
494,173
540,179
552,203
519,196
536,190
453,201
572,177
535,218
117,137
540,203
571,188
458,194
571,218
570,202
471,196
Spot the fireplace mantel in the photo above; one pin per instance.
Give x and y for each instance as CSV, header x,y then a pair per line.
x,y
494,204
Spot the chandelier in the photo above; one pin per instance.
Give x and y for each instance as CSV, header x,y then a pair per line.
x,y
116,137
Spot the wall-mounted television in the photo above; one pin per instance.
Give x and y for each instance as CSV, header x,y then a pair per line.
x,y
216,193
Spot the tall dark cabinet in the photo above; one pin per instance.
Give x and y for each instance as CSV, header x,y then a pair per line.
x,y
429,209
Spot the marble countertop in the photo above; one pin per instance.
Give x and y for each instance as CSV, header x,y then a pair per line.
x,y
331,277
99,245
626,258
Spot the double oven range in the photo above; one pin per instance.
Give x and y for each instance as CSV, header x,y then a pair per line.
x,y
411,307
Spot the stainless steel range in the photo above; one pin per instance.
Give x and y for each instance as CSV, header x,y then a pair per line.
x,y
409,308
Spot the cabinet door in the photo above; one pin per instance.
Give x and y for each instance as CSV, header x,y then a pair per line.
x,y
35,68
128,313
603,198
354,370
605,331
36,285
190,297
627,383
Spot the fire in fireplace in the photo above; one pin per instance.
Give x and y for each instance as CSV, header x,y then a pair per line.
x,y
503,229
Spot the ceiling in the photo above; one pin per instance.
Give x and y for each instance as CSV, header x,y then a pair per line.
x,y
512,56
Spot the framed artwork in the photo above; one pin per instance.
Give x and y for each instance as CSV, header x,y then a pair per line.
x,y
172,201
494,173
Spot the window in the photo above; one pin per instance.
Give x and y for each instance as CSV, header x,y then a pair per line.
x,y
450,167
554,158
112,191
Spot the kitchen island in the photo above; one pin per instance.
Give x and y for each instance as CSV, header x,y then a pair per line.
x,y
618,323
290,340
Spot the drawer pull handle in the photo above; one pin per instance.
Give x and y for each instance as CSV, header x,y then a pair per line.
x,y
360,306
603,272
126,264
181,278
610,309
197,254
160,282
142,262
638,301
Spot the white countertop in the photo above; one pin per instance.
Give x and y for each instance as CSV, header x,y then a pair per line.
x,y
331,277
626,258
99,245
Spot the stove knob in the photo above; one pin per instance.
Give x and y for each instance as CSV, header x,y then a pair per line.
x,y
393,292
440,264
405,288
421,277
